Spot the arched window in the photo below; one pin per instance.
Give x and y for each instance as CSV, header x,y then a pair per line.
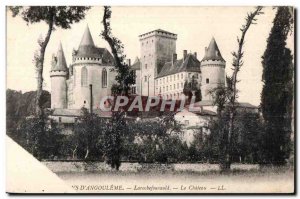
x,y
104,78
84,74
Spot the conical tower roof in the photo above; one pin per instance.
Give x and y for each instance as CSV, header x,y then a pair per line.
x,y
212,52
87,39
87,47
60,60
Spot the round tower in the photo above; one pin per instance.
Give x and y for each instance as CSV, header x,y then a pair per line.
x,y
212,70
58,75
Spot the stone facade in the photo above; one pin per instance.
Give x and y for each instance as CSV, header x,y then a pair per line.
x,y
70,88
157,48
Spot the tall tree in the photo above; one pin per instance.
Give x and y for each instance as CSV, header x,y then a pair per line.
x,y
277,93
226,97
124,78
53,16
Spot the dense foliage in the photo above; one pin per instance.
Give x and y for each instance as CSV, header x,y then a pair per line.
x,y
277,93
20,105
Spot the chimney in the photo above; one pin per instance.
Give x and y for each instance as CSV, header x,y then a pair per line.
x,y
128,62
91,98
195,54
174,58
184,54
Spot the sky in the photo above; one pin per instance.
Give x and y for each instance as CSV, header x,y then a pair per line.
x,y
194,26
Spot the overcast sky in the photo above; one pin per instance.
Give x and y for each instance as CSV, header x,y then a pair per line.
x,y
194,26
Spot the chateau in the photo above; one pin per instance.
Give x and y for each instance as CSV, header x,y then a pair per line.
x,y
159,72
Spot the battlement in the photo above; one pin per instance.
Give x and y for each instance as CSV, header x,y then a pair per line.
x,y
158,32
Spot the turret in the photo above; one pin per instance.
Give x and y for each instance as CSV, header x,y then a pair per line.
x,y
212,69
58,75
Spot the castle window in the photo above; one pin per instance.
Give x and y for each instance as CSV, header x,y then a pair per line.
x,y
167,88
174,87
59,119
145,78
181,85
177,85
181,76
177,76
145,66
84,74
74,74
104,78
207,80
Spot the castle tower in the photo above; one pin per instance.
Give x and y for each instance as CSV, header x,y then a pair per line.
x,y
212,69
91,66
157,48
58,75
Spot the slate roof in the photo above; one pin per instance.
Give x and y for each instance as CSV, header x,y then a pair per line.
x,y
212,52
136,65
190,64
210,103
87,48
59,63
158,30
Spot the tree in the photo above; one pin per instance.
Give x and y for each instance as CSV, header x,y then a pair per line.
x,y
228,94
192,88
277,93
43,137
87,140
124,78
53,16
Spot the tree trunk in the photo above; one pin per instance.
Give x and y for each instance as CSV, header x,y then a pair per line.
x,y
74,152
87,153
40,67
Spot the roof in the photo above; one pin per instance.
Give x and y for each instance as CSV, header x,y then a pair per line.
x,y
136,65
158,30
77,112
212,52
190,64
246,105
87,48
206,113
211,103
87,39
204,103
59,62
